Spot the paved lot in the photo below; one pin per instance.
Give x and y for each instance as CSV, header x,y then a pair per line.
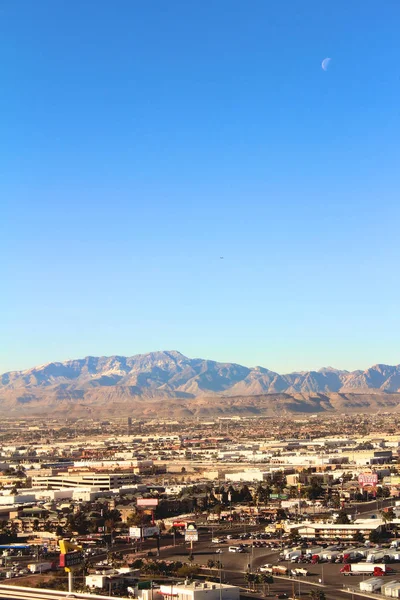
x,y
324,576
235,564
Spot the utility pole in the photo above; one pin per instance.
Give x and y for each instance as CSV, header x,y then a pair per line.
x,y
220,580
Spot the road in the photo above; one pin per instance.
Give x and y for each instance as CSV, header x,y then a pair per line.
x,y
367,509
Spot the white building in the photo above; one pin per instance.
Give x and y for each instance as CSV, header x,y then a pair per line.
x,y
102,481
10,499
247,475
319,530
200,590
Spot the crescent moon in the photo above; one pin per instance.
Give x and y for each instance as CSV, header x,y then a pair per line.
x,y
325,63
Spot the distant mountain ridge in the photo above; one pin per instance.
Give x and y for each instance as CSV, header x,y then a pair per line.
x,y
171,371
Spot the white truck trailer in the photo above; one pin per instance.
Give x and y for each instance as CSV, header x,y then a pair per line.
x,y
371,585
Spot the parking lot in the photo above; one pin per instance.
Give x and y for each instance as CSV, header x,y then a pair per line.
x,y
233,565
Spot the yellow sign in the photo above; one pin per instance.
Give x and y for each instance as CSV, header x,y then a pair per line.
x,y
70,555
66,546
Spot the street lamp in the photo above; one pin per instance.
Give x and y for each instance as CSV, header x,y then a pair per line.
x,y
220,579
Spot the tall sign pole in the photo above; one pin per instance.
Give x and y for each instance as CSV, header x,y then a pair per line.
x,y
191,535
71,557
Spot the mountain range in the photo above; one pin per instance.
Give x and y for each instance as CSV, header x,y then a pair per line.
x,y
138,384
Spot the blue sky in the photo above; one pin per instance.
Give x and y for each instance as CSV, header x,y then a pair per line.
x,y
141,141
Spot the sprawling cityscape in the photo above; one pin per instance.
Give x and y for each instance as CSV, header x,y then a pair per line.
x,y
199,306
222,508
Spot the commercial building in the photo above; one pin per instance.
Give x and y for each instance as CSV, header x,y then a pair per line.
x,y
10,499
200,590
102,481
248,475
329,531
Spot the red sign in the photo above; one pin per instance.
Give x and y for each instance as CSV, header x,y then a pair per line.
x,y
368,479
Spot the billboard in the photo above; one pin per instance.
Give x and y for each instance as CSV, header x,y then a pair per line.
x,y
147,502
368,479
149,531
139,532
135,532
191,533
71,559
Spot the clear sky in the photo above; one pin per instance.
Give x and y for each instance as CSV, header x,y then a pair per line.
x,y
142,141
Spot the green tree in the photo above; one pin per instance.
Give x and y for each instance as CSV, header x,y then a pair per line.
x,y
245,494
317,595
187,571
137,564
266,581
387,516
342,518
375,536
210,563
294,535
250,579
315,490
261,495
281,514
134,519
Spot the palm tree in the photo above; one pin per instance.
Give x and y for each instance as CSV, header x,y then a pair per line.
x,y
266,580
318,595
387,516
257,581
250,579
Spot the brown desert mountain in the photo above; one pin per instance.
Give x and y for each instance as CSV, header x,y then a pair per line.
x,y
168,384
